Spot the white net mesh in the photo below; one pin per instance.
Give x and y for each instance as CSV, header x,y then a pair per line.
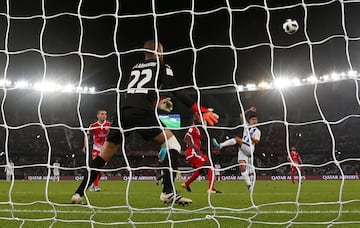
x,y
233,54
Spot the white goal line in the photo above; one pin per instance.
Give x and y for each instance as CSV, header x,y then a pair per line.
x,y
185,212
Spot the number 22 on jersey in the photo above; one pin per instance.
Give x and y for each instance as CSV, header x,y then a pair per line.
x,y
139,79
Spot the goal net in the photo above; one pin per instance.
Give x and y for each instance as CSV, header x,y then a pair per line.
x,y
61,61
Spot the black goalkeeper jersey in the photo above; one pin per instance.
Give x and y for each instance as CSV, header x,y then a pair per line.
x,y
141,93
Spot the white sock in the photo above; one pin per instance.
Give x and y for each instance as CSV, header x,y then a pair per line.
x,y
228,142
251,178
246,177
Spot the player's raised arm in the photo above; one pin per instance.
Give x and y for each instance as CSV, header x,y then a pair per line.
x,y
251,109
255,140
207,114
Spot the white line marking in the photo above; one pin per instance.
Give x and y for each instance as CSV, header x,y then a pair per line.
x,y
143,211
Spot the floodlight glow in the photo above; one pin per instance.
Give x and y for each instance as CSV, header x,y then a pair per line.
x,y
335,76
45,86
325,77
296,82
80,89
92,89
251,87
240,88
264,85
22,84
282,82
5,82
312,79
352,73
68,88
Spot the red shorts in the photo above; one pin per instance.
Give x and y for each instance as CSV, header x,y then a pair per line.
x,y
293,168
197,160
94,154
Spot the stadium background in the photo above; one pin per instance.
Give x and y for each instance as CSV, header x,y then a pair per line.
x,y
214,66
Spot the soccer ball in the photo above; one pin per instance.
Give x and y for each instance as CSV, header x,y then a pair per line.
x,y
290,26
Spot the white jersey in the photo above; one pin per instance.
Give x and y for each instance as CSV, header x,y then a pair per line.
x,y
56,170
9,169
248,146
253,132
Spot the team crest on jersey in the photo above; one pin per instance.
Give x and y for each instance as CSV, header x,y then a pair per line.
x,y
169,71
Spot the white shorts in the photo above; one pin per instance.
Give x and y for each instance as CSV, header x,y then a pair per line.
x,y
244,152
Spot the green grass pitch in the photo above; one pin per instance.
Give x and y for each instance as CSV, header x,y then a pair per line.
x,y
272,203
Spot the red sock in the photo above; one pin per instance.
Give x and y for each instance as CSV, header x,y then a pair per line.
x,y
292,177
96,181
192,178
210,176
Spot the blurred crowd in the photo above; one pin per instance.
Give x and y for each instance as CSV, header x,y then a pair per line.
x,y
327,141
33,149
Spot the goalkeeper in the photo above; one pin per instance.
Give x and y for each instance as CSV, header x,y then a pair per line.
x,y
137,109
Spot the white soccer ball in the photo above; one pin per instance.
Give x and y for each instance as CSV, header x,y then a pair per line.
x,y
290,26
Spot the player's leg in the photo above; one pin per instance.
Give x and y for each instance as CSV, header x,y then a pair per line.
x,y
195,162
244,173
243,158
171,158
95,185
191,179
250,169
96,182
292,170
229,142
107,151
211,175
159,172
211,179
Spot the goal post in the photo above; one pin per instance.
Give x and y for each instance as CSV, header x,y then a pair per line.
x,y
61,61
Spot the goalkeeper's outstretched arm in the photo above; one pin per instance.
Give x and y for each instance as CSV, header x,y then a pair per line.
x,y
207,114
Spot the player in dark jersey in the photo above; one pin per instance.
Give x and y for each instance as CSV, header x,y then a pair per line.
x,y
137,109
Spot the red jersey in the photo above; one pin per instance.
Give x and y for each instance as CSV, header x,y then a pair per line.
x,y
195,137
295,157
99,132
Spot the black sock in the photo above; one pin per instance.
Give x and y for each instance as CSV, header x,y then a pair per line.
x,y
98,162
167,184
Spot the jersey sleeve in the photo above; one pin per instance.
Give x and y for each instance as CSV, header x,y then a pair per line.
x,y
257,134
168,81
189,132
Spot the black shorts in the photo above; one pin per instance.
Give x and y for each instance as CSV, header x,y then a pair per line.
x,y
130,118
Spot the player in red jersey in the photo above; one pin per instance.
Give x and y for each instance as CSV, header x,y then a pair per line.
x,y
296,159
99,131
196,158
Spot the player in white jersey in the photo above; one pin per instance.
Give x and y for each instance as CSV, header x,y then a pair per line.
x,y
251,137
9,170
56,171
